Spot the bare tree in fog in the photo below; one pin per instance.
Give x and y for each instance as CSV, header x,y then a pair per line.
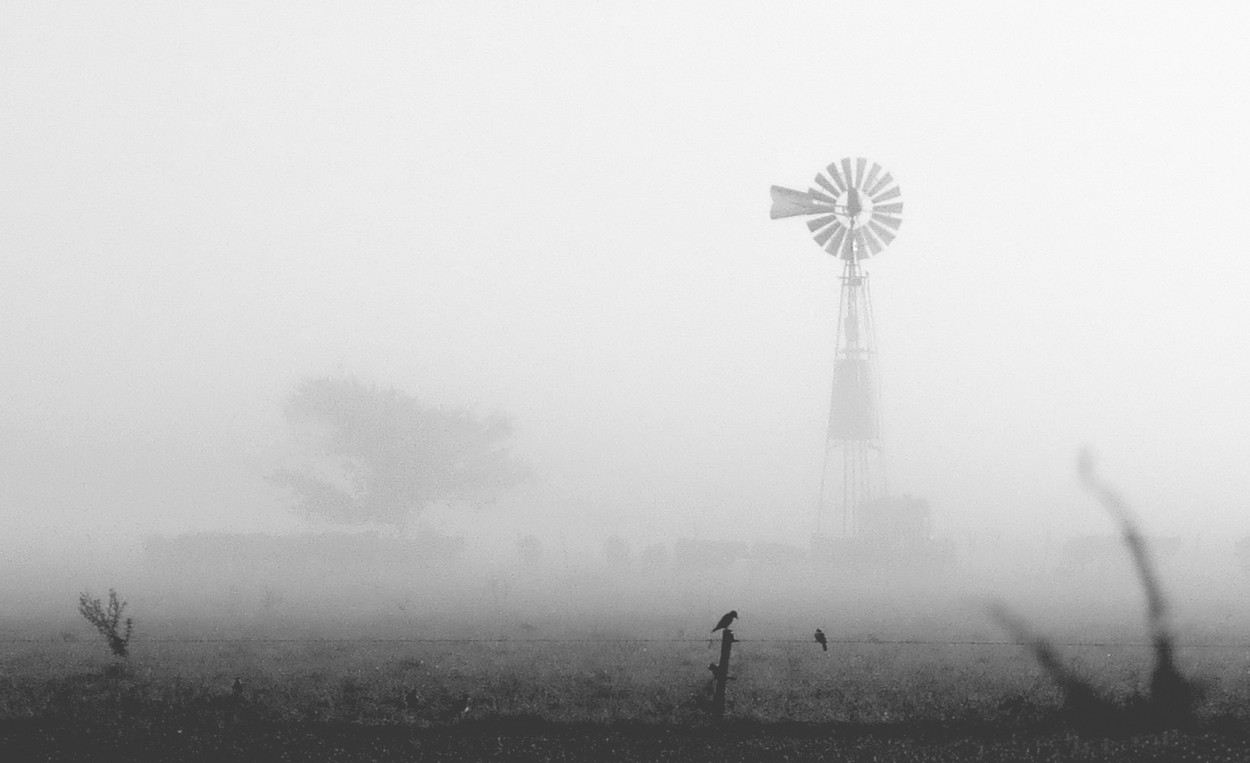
x,y
379,454
1170,699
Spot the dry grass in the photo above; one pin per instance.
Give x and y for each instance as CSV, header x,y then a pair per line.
x,y
585,699
664,682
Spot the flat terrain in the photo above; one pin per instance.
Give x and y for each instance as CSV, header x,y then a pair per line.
x,y
543,666
579,695
536,742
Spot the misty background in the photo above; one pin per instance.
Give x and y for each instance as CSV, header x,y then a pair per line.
x,y
558,212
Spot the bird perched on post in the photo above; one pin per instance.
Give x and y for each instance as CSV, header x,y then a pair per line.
x,y
820,639
726,620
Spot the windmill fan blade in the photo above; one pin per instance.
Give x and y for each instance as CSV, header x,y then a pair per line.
x,y
817,223
834,245
886,196
893,222
824,236
825,184
848,251
874,246
882,183
821,196
884,233
872,177
846,171
860,164
834,173
788,203
888,209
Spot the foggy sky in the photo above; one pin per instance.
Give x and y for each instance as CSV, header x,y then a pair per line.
x,y
559,211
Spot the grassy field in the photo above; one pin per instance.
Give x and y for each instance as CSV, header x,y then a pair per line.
x,y
591,665
575,691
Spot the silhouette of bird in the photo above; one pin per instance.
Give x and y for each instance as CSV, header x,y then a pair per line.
x,y
726,620
820,639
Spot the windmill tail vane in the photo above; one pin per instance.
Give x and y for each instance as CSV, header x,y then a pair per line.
x,y
789,203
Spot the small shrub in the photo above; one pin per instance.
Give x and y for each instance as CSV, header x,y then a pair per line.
x,y
107,620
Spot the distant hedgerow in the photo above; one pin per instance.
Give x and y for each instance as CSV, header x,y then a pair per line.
x,y
108,621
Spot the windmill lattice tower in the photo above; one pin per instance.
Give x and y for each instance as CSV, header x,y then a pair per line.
x,y
854,214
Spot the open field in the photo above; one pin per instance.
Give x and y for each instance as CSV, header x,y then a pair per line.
x,y
539,664
581,693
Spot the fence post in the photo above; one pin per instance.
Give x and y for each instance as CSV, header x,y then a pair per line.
x,y
721,672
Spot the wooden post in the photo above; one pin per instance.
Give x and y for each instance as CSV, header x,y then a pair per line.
x,y
721,672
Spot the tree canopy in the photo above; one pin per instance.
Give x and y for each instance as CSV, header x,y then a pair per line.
x,y
378,454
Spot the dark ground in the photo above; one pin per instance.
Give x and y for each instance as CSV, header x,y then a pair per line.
x,y
534,740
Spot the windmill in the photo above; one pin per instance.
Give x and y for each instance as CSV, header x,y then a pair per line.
x,y
854,213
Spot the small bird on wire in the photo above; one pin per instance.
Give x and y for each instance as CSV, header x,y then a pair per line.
x,y
726,620
820,639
